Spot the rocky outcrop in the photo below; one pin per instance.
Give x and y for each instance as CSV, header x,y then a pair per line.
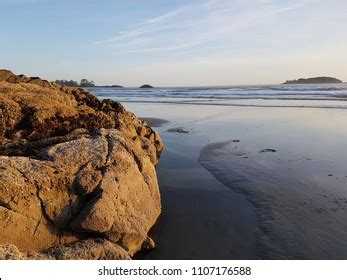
x,y
77,175
146,86
8,76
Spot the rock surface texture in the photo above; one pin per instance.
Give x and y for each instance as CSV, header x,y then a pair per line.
x,y
77,175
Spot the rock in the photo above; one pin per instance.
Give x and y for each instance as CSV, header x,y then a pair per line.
x,y
178,130
8,76
11,252
5,75
149,244
146,86
155,122
95,249
90,249
31,112
73,168
268,151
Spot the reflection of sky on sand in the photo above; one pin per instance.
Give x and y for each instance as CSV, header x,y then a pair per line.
x,y
301,209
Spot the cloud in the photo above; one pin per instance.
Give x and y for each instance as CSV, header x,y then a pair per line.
x,y
161,49
149,26
195,25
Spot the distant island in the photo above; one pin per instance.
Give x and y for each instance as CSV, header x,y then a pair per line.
x,y
112,86
146,86
71,83
83,83
316,80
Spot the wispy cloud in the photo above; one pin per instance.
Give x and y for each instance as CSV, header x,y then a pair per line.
x,y
151,25
193,26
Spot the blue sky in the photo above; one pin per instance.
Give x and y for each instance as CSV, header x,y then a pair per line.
x,y
174,42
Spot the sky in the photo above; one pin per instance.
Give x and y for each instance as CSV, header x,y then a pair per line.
x,y
174,42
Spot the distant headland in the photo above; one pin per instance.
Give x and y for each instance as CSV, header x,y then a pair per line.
x,y
112,86
87,83
315,80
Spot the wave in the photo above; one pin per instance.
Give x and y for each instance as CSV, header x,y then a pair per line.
x,y
231,96
340,107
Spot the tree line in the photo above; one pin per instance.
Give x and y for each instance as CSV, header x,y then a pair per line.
x,y
71,83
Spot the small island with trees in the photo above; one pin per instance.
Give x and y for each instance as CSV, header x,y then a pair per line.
x,y
146,86
82,83
71,83
316,80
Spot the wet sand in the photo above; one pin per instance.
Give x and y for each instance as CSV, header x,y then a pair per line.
x,y
251,183
201,218
301,214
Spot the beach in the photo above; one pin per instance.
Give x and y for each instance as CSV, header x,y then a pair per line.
x,y
173,140
200,173
251,182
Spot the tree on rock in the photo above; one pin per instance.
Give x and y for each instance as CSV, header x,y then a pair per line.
x,y
86,83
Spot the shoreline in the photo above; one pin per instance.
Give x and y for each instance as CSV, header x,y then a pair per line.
x,y
246,105
310,168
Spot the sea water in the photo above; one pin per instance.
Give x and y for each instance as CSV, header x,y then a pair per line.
x,y
333,95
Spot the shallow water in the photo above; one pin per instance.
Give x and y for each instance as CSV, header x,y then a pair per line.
x,y
224,199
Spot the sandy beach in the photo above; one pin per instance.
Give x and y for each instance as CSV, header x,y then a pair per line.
x,y
257,183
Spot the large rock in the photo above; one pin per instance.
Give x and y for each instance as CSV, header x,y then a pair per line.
x,y
29,112
73,168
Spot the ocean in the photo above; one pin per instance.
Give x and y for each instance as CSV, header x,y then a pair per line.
x,y
315,96
248,172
